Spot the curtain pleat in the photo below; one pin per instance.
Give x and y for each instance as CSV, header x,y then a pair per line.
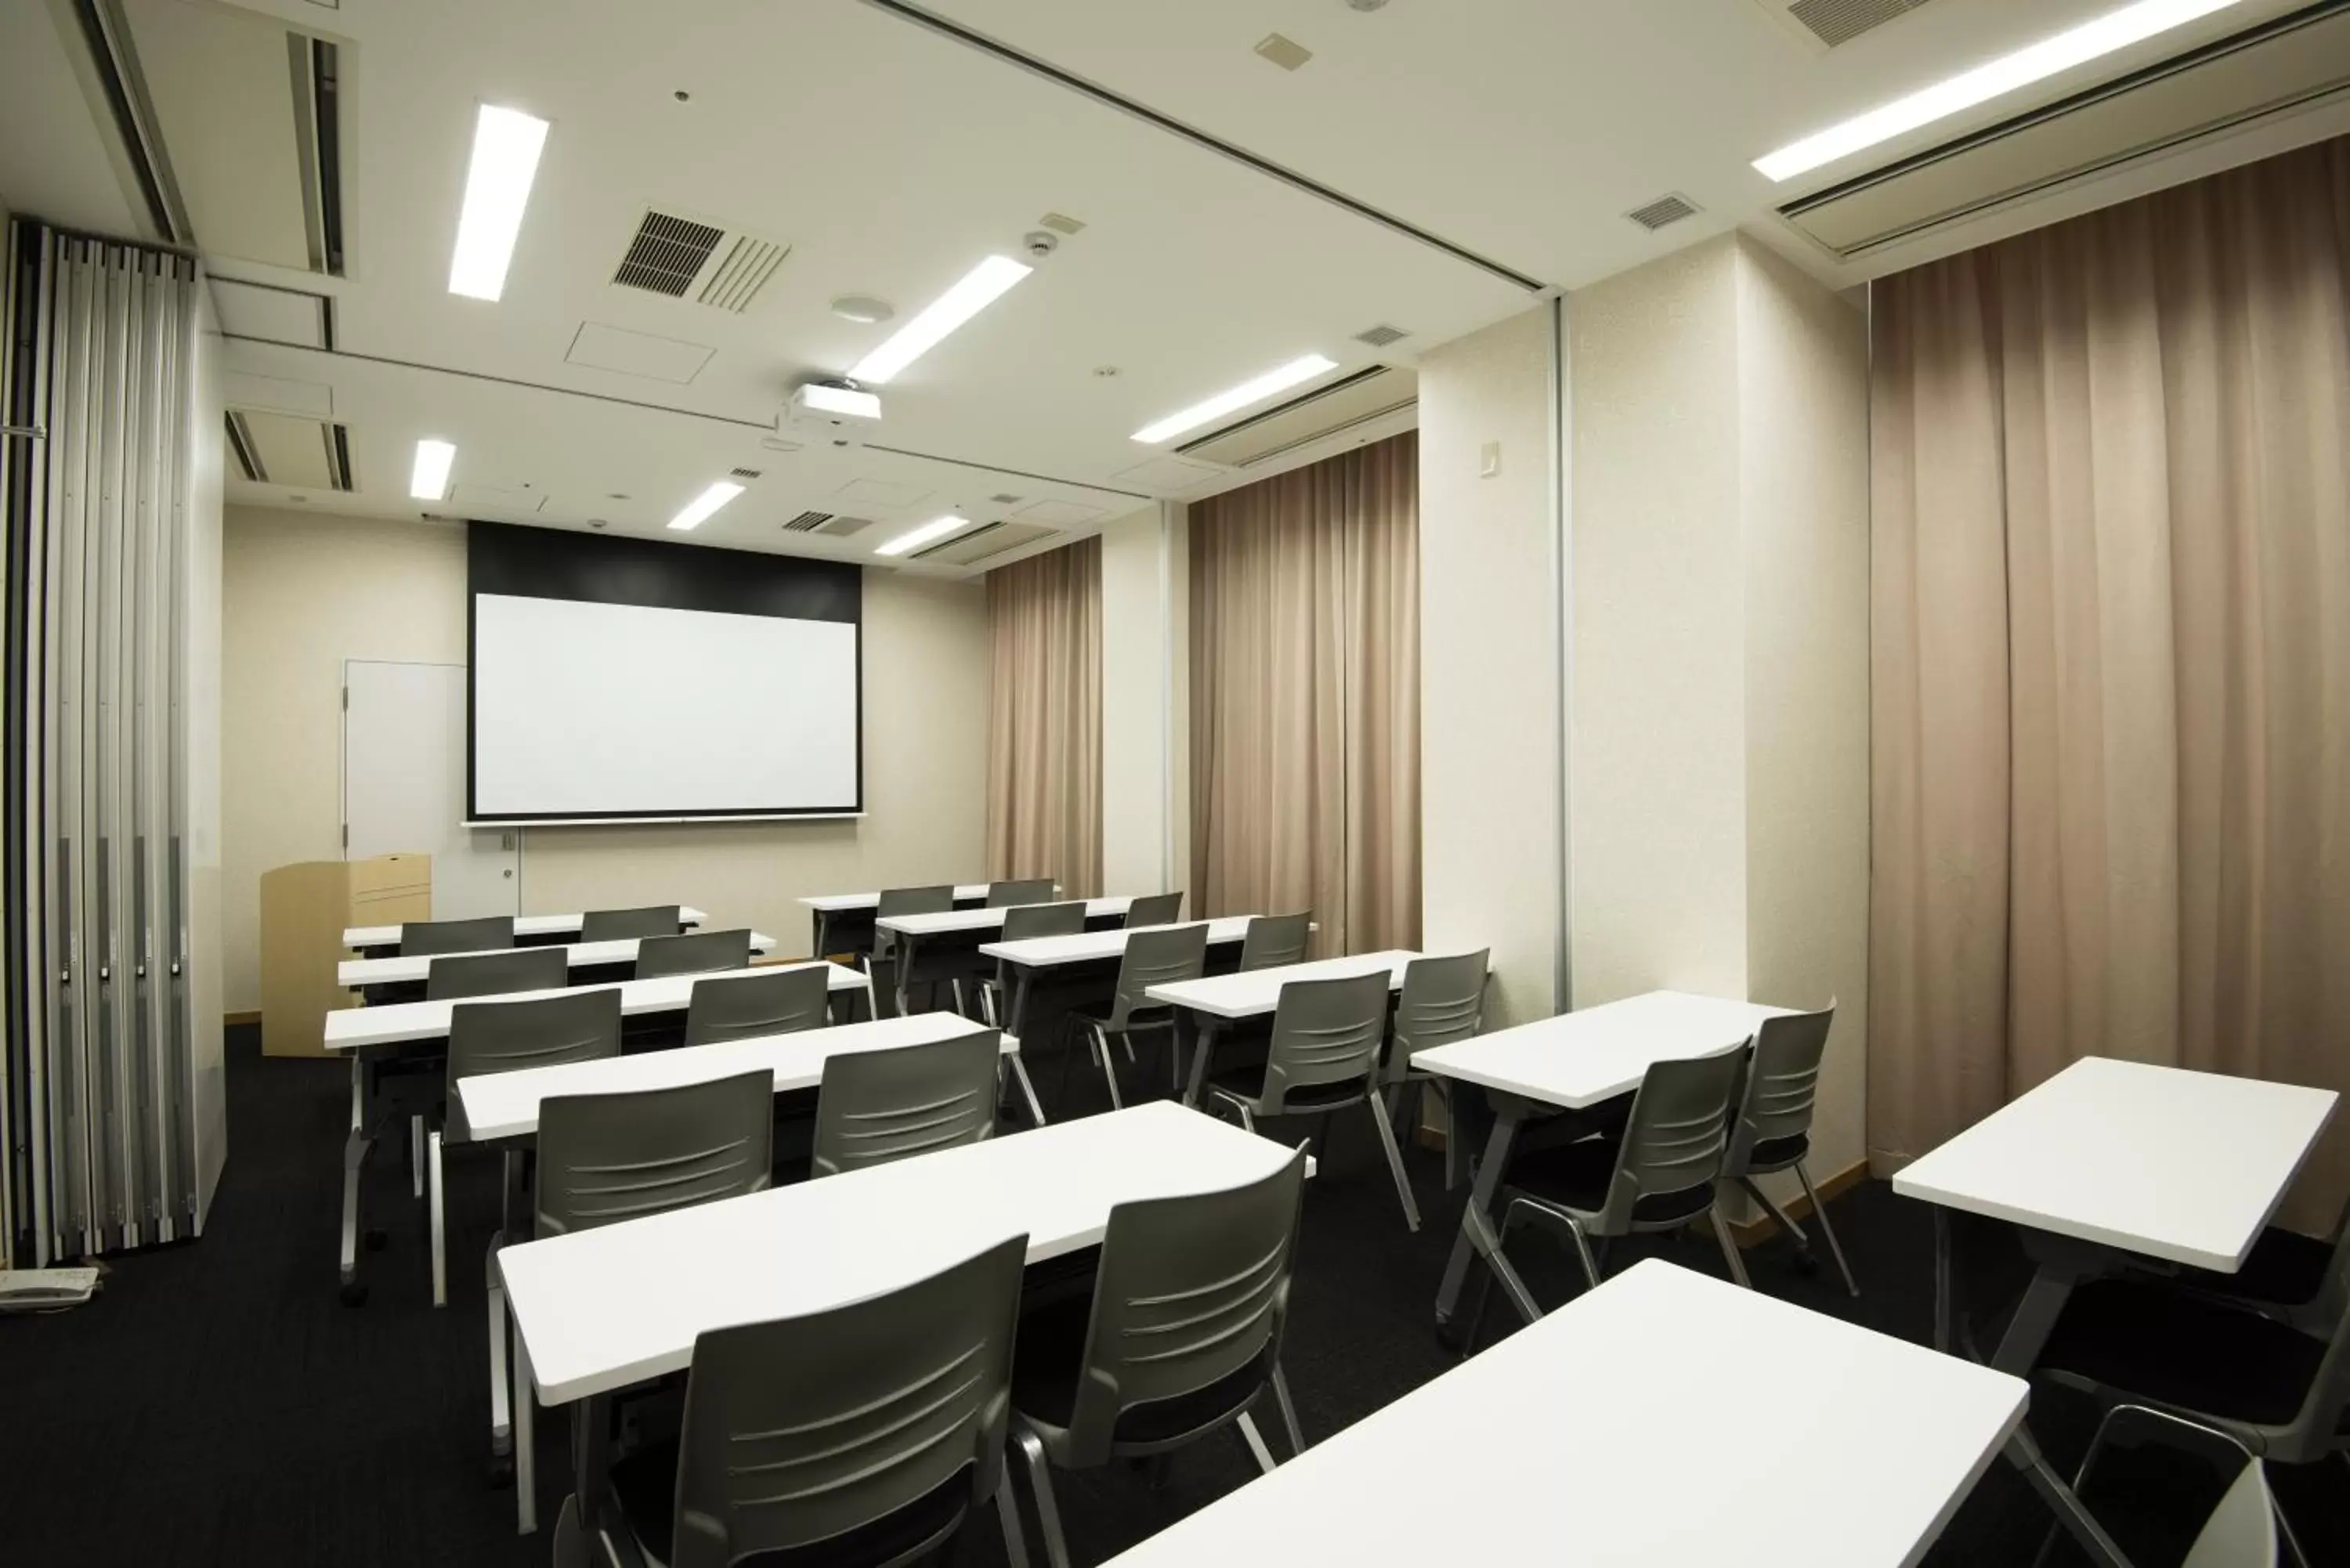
x,y
2111,654
1305,697
1043,719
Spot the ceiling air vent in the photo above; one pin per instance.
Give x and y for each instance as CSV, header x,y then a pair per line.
x,y
808,521
286,449
1382,335
2280,68
1668,208
1004,500
1367,394
688,258
1825,23
830,524
744,472
981,543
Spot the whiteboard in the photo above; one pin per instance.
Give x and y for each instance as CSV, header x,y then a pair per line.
x,y
404,785
587,710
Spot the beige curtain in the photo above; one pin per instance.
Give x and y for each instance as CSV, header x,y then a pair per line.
x,y
2111,528
1305,697
1043,718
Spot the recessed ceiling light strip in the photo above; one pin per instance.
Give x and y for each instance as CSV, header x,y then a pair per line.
x,y
915,538
507,145
977,289
1233,398
698,510
428,480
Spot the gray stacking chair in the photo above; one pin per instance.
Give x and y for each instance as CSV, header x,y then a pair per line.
x,y
499,1037
1025,890
897,901
1160,957
1274,940
496,973
423,939
603,1158
1771,1129
1155,909
859,1437
1324,1058
1020,922
2244,1528
1442,1000
757,1002
696,952
618,925
1660,1175
874,1106
1180,1338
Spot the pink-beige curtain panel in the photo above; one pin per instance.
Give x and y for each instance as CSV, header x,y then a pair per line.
x,y
2111,655
1305,697
1043,719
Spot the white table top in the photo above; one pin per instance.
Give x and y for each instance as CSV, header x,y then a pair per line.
x,y
349,1028
604,1308
2160,1161
583,955
1255,992
985,919
1665,1417
1079,946
505,1105
525,926
1596,1054
832,902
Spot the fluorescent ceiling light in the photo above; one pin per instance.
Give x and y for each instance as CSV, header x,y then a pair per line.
x,y
1239,397
506,144
916,539
980,288
2101,35
704,505
429,480
847,400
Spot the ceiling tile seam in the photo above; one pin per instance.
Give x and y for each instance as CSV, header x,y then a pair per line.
x,y
972,39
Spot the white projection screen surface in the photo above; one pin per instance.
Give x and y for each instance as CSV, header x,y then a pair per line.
x,y
729,696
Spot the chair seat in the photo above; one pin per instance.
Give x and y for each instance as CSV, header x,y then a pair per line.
x,y
2171,1347
1138,1019
1247,1083
1778,1153
1049,1355
1576,1177
644,1488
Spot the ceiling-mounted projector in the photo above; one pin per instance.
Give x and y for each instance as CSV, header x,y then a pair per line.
x,y
837,410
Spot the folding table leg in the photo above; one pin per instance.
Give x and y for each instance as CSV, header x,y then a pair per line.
x,y
2024,1454
1477,1238
1027,1089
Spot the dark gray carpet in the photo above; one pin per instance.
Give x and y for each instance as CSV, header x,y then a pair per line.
x,y
217,1405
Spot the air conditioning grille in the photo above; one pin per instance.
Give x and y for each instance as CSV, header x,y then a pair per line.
x,y
667,254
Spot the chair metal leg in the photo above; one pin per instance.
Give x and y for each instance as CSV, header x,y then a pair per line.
x,y
1395,1160
1248,1122
1289,1411
1582,1250
1027,1089
1040,1482
1827,1229
416,1156
1007,1508
1784,1221
525,1438
1728,1246
1108,1067
1256,1443
500,1384
440,1239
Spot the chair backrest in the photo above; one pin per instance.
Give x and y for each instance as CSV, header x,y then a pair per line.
x,y
489,974
1773,1123
1324,1033
696,952
798,1432
422,938
1024,920
544,1032
1673,1143
1026,890
874,1107
757,1002
1155,909
1159,957
1442,1000
614,925
907,901
2318,1424
1189,1301
2241,1529
606,1157
1271,940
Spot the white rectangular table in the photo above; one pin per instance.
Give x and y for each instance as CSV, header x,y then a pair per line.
x,y
501,1105
1665,1417
944,945
600,1310
529,930
358,973
1217,1000
2109,1161
843,923
1032,962
1568,1063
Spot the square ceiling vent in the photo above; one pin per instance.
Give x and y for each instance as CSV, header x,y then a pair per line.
x,y
1822,24
693,259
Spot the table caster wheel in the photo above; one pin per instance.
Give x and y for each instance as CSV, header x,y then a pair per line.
x,y
354,1293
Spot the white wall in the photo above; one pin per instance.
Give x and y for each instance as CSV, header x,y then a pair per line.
x,y
1488,661
1145,701
307,591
